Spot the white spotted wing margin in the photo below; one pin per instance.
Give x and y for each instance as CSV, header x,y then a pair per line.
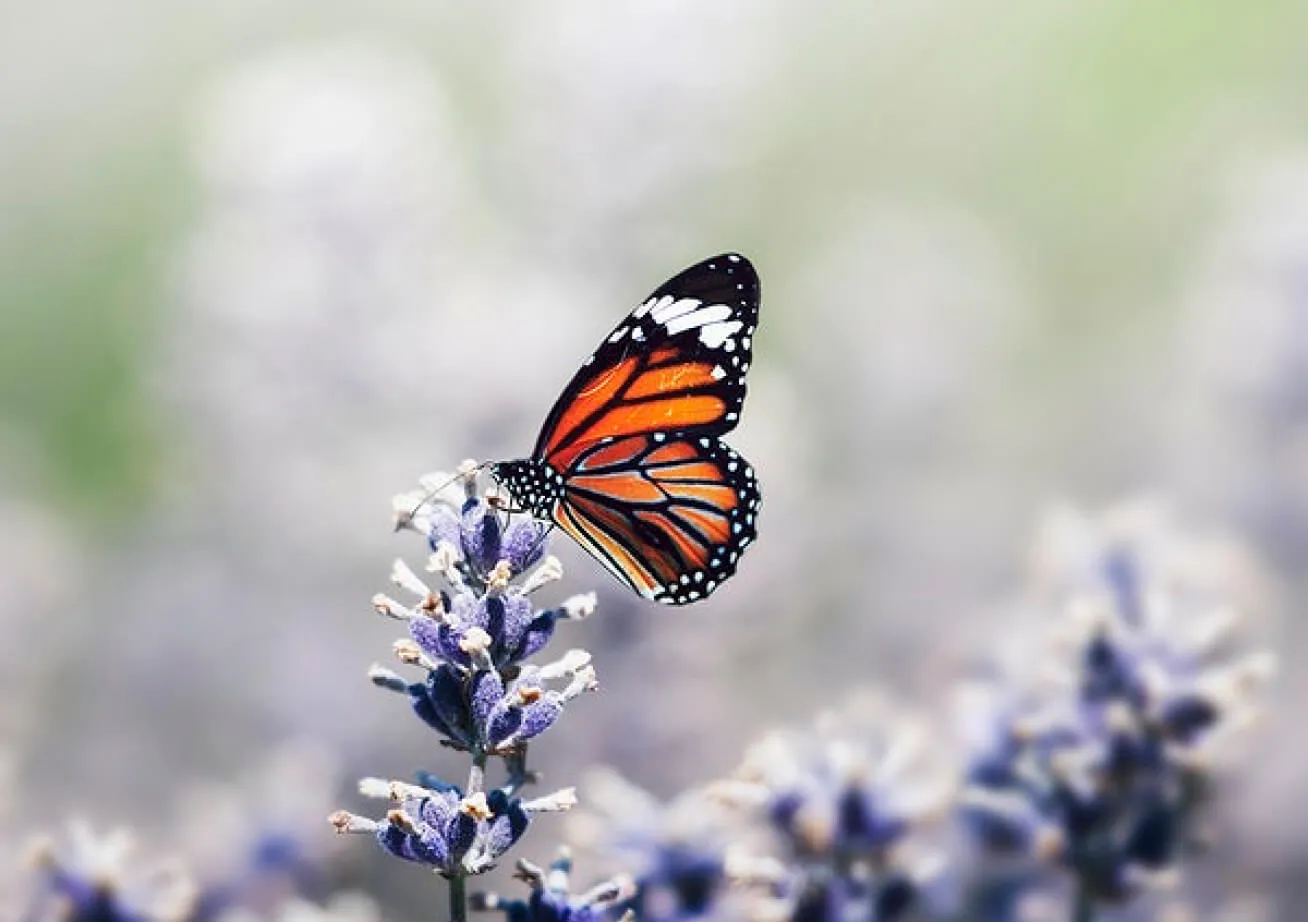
x,y
707,313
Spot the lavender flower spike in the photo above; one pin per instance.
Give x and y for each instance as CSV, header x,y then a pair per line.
x,y
473,627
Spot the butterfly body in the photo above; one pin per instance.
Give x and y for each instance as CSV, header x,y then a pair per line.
x,y
533,483
629,461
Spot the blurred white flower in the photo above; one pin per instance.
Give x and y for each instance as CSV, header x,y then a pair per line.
x,y
623,113
910,311
1240,411
348,906
42,577
349,313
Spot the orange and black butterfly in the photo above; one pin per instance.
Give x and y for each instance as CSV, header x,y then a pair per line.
x,y
629,462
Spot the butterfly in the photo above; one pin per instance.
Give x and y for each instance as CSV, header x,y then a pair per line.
x,y
629,462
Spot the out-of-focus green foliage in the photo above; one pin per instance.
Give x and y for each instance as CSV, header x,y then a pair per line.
x,y
82,289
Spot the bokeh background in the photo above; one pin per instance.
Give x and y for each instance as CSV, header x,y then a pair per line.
x,y
263,264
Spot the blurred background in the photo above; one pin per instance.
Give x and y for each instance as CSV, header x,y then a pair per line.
x,y
264,264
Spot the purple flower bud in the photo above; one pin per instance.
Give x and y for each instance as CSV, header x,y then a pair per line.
x,y
503,724
536,635
487,694
460,833
1185,718
524,544
420,844
444,528
448,645
435,810
516,616
445,701
426,634
412,847
539,716
507,827
481,536
862,828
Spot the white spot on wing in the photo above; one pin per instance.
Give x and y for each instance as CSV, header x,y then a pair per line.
x,y
701,317
715,334
667,309
650,304
718,372
618,334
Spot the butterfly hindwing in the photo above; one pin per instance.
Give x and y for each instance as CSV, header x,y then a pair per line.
x,y
669,515
676,364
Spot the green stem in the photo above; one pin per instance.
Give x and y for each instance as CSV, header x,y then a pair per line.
x,y
459,898
1083,909
477,775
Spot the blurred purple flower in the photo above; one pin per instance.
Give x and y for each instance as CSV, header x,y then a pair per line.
x,y
1096,755
88,878
552,901
254,838
676,851
854,806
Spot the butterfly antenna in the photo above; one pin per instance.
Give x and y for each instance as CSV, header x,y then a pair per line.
x,y
467,471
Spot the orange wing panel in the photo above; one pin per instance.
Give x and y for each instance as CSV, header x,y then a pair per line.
x,y
610,553
672,452
666,354
619,452
672,378
713,525
692,552
656,416
664,570
718,495
628,486
697,470
590,399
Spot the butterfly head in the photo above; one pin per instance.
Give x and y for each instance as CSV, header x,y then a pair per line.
x,y
533,485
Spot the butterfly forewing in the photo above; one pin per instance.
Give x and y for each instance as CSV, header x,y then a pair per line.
x,y
669,515
677,363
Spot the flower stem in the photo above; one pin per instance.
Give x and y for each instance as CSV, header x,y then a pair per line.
x,y
459,898
1083,908
477,774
